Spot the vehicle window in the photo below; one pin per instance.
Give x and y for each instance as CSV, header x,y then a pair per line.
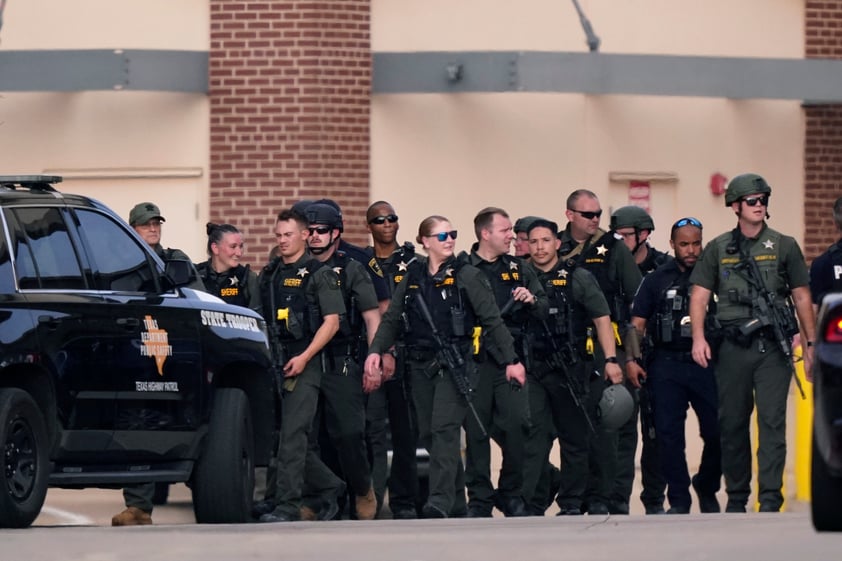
x,y
7,283
118,260
45,255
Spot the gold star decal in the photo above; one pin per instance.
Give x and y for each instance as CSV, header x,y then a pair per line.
x,y
303,272
769,244
601,250
402,266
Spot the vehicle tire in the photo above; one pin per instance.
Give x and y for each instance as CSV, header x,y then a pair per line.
x,y
26,468
162,493
223,480
826,500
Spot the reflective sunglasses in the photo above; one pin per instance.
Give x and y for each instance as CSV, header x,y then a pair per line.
x,y
380,220
754,201
586,214
442,236
319,229
687,221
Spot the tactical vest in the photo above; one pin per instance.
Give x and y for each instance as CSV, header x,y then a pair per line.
x,y
505,274
596,261
736,296
231,286
563,321
395,266
835,252
671,329
654,259
445,300
291,313
351,322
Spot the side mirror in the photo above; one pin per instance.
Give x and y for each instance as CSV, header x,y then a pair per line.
x,y
180,272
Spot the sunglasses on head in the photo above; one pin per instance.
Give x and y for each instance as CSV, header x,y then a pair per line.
x,y
754,201
319,229
442,236
588,215
689,221
380,220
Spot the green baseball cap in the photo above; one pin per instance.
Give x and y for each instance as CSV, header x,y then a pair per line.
x,y
143,213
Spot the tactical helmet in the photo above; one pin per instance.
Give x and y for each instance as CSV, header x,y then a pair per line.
x,y
523,224
745,184
301,206
333,204
615,407
320,213
632,217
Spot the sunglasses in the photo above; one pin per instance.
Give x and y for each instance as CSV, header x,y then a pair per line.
x,y
687,221
380,220
319,229
754,201
442,236
586,214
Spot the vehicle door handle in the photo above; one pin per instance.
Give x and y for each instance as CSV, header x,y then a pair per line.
x,y
128,323
49,321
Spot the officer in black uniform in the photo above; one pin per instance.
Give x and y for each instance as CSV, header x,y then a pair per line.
x,y
392,400
616,272
661,310
440,300
826,270
635,225
342,400
222,274
559,379
302,304
521,299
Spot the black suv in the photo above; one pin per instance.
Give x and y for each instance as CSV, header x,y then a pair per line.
x,y
112,371
826,480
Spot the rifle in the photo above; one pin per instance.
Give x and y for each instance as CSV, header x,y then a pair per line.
x,y
558,360
767,313
451,359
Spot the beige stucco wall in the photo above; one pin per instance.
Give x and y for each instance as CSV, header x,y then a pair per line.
x,y
149,145
453,154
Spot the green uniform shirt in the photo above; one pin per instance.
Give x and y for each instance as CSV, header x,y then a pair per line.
x,y
357,281
480,297
778,257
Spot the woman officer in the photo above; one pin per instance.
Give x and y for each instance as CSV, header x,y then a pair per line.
x,y
441,299
222,273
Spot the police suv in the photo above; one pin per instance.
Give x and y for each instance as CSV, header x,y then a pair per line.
x,y
826,480
112,371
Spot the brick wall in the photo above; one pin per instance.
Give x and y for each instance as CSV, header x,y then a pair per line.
x,y
289,94
823,138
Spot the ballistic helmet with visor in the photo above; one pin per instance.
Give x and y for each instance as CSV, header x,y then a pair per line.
x,y
320,213
632,217
744,185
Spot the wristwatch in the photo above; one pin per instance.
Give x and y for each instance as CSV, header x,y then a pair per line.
x,y
514,361
393,352
810,343
612,359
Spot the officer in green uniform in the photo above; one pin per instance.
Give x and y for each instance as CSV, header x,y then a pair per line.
x,y
441,300
751,366
302,304
635,225
521,299
558,381
342,399
222,274
616,272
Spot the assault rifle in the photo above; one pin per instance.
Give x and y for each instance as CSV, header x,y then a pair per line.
x,y
451,359
559,359
768,313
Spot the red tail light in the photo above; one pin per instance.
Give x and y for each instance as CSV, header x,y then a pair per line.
x,y
833,333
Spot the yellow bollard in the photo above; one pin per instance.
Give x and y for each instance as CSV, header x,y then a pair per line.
x,y
803,433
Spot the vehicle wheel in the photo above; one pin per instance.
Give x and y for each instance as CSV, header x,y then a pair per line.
x,y
162,493
223,480
826,500
25,464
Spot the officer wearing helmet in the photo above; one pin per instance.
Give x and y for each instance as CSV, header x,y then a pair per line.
x,y
342,384
521,241
634,225
752,365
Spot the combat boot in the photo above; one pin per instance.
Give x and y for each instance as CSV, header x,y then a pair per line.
x,y
132,516
366,505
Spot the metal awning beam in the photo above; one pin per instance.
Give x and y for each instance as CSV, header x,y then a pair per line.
x,y
103,69
807,80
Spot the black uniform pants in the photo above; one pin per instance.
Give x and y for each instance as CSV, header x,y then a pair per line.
x,y
676,381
